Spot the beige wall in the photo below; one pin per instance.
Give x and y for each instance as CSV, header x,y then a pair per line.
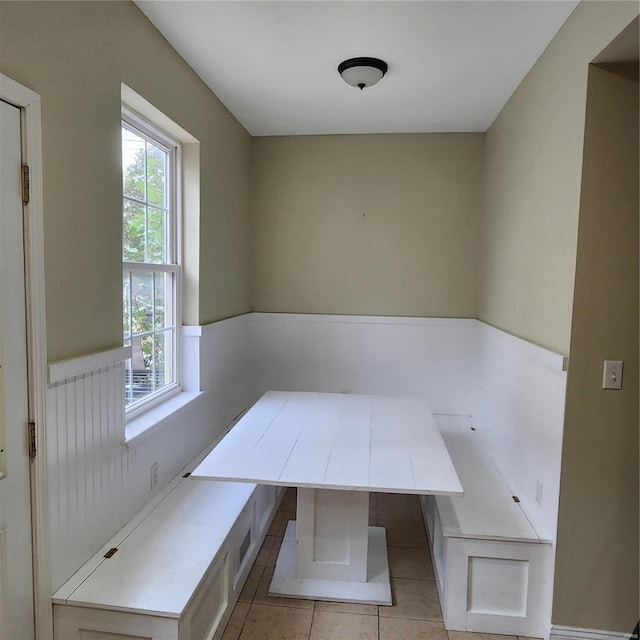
x,y
597,568
357,224
534,154
75,55
368,224
533,165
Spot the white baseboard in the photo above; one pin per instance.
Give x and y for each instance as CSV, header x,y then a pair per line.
x,y
574,633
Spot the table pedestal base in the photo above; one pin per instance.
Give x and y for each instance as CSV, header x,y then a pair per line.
x,y
375,590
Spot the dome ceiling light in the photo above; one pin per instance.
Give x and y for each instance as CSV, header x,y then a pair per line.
x,y
362,72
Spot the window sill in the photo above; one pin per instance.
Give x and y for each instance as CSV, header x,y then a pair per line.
x,y
143,425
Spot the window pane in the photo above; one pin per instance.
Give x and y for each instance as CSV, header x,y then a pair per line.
x,y
141,367
146,346
126,306
156,234
147,305
137,380
128,382
150,367
142,301
133,231
160,301
163,348
133,165
156,171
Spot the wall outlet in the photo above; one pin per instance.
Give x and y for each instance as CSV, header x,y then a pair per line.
x,y
539,489
154,474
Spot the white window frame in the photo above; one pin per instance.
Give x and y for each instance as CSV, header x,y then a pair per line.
x,y
141,126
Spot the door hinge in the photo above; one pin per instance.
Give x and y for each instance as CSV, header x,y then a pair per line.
x,y
111,552
26,192
31,427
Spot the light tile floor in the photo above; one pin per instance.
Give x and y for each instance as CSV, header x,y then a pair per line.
x,y
414,615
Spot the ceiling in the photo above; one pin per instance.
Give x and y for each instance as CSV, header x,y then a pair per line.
x,y
452,64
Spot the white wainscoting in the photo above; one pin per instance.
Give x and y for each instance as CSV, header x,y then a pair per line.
x,y
513,390
521,415
85,465
432,358
97,483
218,358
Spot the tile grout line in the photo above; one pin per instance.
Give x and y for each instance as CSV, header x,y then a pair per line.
x,y
313,615
313,608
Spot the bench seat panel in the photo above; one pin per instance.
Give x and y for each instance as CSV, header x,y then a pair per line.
x,y
178,569
493,572
80,623
498,587
151,573
487,509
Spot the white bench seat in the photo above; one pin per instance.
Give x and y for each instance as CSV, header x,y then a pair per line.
x,y
493,570
178,569
487,509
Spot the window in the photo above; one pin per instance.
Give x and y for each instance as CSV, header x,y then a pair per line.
x,y
150,257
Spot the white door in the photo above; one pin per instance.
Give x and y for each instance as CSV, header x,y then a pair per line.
x,y
16,581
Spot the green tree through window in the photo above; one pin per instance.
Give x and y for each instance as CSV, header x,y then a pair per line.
x,y
150,268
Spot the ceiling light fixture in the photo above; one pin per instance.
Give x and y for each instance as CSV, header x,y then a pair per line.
x,y
362,72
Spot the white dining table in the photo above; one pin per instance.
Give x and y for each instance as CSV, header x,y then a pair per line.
x,y
335,448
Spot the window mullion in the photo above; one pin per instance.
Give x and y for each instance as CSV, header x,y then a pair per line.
x,y
154,377
136,201
146,334
130,303
146,233
130,334
166,219
151,266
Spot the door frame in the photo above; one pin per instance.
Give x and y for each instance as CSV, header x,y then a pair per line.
x,y
29,103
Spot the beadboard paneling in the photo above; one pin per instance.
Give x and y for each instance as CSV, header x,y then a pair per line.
x,y
85,463
96,482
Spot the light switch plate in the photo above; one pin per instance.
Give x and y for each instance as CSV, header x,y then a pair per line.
x,y
612,374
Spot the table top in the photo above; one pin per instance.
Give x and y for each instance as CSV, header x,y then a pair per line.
x,y
336,441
